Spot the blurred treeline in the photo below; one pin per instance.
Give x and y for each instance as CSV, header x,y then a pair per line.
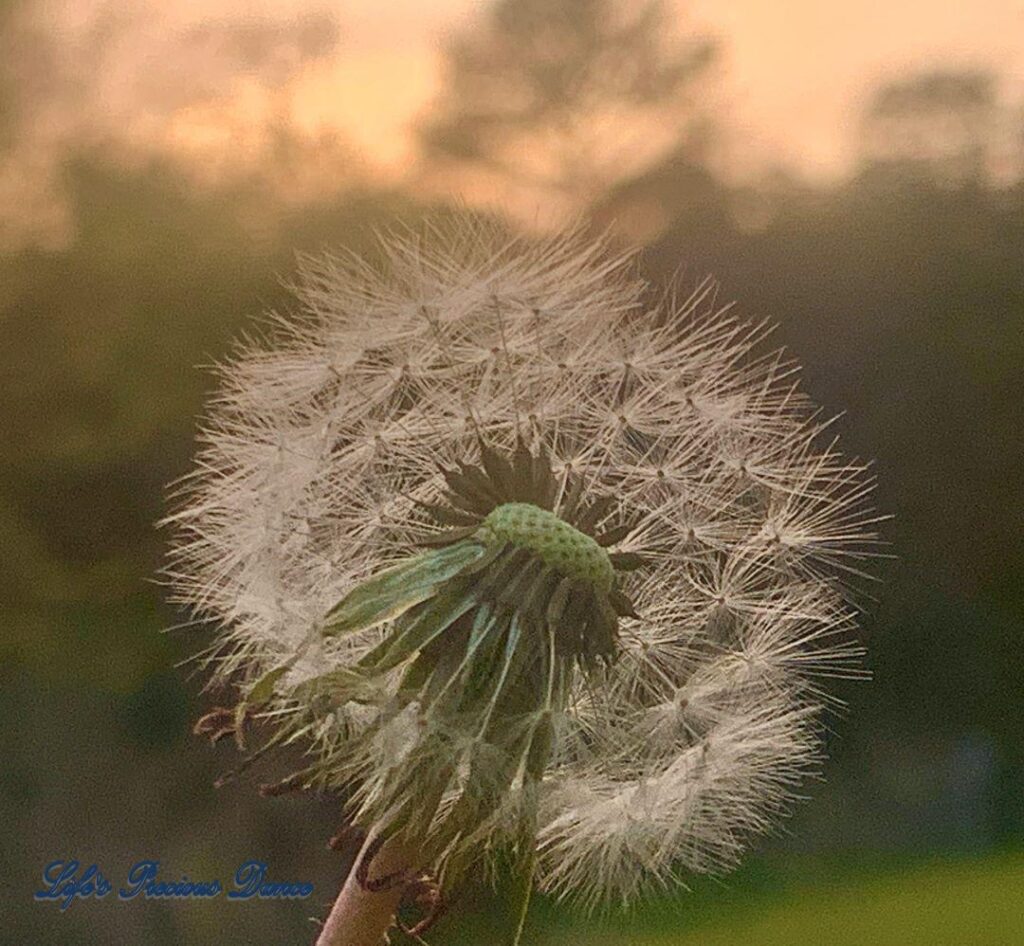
x,y
900,289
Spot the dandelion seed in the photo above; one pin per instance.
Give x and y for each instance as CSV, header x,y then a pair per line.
x,y
543,575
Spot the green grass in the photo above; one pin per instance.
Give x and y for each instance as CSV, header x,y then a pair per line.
x,y
954,903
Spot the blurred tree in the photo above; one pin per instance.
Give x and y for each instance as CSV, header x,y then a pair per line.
x,y
907,308
561,99
940,125
100,388
679,185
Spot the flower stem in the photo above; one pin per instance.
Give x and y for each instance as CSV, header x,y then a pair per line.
x,y
365,908
523,889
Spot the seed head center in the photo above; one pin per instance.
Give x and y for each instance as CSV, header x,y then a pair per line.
x,y
552,540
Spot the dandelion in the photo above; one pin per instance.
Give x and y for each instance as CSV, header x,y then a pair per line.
x,y
546,574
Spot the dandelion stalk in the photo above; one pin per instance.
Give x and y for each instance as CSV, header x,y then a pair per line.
x,y
365,908
546,577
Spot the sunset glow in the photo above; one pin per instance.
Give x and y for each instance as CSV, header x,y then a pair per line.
x,y
214,86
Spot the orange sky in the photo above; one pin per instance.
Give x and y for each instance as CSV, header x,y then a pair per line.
x,y
793,71
796,70
213,81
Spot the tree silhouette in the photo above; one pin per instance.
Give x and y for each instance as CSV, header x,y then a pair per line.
x,y
937,125
563,98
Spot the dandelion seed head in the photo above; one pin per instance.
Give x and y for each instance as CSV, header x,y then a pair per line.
x,y
541,562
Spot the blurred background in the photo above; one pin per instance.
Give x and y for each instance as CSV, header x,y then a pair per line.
x,y
852,172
